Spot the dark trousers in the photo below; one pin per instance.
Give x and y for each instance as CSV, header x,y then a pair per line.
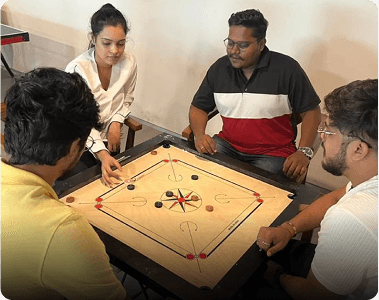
x,y
272,164
295,258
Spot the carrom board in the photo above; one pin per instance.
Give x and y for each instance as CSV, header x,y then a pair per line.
x,y
160,210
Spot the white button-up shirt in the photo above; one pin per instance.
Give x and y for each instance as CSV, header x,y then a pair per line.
x,y
115,101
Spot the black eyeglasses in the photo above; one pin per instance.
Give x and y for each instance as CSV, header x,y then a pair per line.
x,y
242,46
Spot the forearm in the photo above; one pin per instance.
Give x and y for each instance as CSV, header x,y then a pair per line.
x,y
102,154
295,287
312,216
198,120
310,122
306,288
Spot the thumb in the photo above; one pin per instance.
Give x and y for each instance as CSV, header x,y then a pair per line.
x,y
118,166
272,250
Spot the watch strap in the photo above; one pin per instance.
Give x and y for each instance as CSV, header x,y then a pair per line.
x,y
308,152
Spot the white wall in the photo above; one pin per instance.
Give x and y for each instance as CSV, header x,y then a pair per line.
x,y
175,41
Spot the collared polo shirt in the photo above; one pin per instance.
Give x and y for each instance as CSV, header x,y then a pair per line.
x,y
256,113
48,250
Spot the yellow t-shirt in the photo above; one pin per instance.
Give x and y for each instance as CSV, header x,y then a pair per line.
x,y
48,250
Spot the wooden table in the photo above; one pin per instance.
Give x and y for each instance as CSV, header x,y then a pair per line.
x,y
158,233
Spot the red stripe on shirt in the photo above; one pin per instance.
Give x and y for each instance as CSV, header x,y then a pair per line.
x,y
273,137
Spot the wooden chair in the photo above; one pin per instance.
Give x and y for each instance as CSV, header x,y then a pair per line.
x,y
187,132
132,124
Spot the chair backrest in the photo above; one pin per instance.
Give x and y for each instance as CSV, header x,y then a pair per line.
x,y
187,132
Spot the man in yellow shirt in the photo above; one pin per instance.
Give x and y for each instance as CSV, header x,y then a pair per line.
x,y
48,250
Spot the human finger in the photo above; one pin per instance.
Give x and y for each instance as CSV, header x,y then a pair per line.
x,y
290,170
275,248
117,164
286,165
210,145
296,172
113,147
114,174
106,180
263,245
202,145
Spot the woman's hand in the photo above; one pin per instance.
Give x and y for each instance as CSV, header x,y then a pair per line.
x,y
114,136
107,161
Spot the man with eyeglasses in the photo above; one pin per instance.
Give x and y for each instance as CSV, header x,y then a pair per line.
x,y
344,264
49,251
260,94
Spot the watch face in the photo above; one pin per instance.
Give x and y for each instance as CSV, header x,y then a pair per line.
x,y
307,151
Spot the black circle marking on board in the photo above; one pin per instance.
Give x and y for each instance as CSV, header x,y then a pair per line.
x,y
194,177
158,204
169,194
131,186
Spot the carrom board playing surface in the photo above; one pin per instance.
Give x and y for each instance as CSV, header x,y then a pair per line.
x,y
193,216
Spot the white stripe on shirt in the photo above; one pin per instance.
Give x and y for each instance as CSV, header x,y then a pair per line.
x,y
252,106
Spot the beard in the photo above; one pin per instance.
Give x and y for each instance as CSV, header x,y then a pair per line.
x,y
336,165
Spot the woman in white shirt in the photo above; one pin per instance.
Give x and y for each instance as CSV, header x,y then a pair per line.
x,y
111,74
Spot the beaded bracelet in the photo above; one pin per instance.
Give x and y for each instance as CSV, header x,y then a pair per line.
x,y
293,227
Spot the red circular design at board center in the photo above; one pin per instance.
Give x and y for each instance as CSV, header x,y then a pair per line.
x,y
181,200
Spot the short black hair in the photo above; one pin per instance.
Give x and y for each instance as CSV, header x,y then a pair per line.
x,y
47,110
108,15
353,110
251,18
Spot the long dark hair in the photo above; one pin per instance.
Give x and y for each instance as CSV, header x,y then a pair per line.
x,y
107,15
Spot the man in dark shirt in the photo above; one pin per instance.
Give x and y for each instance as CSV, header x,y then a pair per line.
x,y
259,94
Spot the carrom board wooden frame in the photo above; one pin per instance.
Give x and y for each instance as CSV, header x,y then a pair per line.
x,y
212,248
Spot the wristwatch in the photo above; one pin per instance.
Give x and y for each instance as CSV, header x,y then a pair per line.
x,y
307,151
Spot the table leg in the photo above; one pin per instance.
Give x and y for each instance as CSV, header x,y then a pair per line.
x,y
6,65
